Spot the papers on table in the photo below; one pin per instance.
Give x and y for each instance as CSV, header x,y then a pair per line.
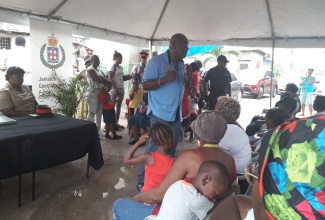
x,y
6,121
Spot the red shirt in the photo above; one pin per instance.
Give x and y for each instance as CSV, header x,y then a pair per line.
x,y
196,80
156,172
108,105
185,103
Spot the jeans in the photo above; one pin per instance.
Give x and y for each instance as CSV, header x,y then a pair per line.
x,y
306,98
94,107
127,209
176,126
118,103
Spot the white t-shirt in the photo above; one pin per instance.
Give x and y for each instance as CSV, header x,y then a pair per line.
x,y
17,56
236,142
118,76
193,104
183,201
92,85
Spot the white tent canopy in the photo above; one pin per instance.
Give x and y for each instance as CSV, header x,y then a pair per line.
x,y
290,23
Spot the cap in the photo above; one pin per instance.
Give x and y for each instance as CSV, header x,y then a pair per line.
x,y
87,59
210,126
144,53
222,58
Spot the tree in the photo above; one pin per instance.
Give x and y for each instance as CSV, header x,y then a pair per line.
x,y
219,51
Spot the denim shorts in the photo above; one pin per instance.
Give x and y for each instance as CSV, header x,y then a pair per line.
x,y
306,98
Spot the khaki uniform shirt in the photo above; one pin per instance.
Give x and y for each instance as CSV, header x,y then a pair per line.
x,y
12,98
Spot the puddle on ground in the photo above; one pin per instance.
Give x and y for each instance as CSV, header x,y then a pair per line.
x,y
120,184
79,200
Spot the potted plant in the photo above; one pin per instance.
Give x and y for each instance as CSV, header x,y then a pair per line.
x,y
66,94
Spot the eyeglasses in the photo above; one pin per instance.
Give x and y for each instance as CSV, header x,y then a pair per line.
x,y
251,172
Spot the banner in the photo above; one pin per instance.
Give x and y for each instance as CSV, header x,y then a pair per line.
x,y
51,53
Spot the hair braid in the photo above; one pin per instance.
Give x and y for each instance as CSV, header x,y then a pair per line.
x,y
161,133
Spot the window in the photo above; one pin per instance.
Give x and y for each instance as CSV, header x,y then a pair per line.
x,y
5,43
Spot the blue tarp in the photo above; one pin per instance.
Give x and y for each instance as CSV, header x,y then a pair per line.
x,y
194,50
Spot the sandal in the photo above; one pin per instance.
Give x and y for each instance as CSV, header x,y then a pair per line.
x,y
133,141
107,136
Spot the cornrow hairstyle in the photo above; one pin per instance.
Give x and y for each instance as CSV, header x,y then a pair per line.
x,y
116,55
161,133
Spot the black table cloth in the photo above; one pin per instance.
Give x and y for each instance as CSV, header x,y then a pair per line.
x,y
39,143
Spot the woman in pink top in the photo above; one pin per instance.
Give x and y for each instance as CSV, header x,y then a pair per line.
x,y
157,164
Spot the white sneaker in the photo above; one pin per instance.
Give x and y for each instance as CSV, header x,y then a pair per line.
x,y
101,134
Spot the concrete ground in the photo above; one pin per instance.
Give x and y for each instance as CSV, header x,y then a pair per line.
x,y
64,192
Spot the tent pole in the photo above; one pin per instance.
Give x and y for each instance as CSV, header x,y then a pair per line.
x,y
267,2
150,48
160,18
271,92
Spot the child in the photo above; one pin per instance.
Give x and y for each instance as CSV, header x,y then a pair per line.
x,y
108,106
193,200
136,96
157,164
194,100
136,121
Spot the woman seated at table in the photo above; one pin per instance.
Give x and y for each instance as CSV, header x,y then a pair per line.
x,y
210,127
16,99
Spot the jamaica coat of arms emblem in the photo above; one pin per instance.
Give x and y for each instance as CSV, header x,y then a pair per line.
x,y
53,53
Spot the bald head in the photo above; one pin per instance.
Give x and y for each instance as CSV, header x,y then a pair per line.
x,y
178,46
178,38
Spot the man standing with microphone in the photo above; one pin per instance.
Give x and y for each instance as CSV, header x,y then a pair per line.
x,y
164,79
306,93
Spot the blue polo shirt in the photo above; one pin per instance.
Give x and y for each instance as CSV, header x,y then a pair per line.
x,y
166,101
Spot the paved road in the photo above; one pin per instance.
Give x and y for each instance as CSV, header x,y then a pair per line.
x,y
251,107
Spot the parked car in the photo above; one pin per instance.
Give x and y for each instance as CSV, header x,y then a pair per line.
x,y
320,87
237,90
258,83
